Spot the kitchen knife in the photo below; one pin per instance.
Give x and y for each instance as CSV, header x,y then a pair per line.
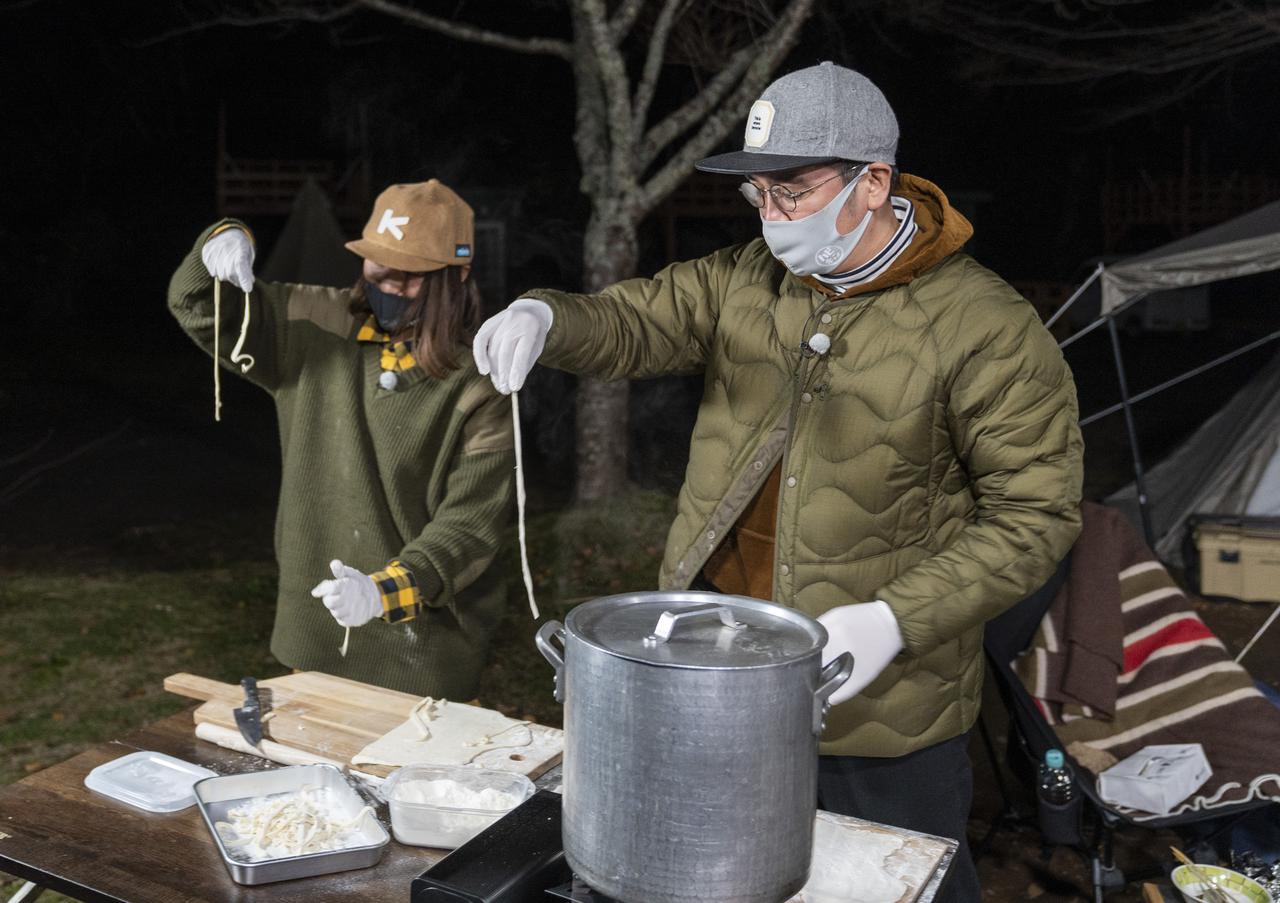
x,y
249,716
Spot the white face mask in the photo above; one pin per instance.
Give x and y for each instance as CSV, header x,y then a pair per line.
x,y
814,244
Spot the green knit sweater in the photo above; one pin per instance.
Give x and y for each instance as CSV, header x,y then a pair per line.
x,y
421,473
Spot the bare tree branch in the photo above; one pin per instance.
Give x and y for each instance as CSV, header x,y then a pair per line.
x,y
612,71
624,18
771,50
653,60
1103,39
28,452
284,13
471,33
30,477
692,112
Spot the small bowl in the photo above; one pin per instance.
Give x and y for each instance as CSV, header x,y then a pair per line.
x,y
1235,885
419,820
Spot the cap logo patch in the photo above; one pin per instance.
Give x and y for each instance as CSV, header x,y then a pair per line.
x,y
392,224
462,251
759,122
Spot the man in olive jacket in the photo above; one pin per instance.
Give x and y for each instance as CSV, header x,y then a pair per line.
x,y
887,438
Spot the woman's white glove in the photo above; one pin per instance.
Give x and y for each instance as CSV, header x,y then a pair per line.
x,y
351,596
508,344
870,632
229,256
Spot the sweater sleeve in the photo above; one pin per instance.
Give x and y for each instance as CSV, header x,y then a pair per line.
x,y
1013,421
191,303
639,328
466,530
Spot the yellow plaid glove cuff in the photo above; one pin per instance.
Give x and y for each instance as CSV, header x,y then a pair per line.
x,y
400,597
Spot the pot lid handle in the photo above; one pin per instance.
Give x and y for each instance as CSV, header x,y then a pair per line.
x,y
668,620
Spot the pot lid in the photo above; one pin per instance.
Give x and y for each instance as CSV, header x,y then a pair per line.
x,y
696,630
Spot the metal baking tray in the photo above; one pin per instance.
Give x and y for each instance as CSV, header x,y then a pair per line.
x,y
215,796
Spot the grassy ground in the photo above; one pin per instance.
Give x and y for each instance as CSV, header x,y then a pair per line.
x,y
84,647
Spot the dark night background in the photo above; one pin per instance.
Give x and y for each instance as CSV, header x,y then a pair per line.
x,y
135,533
109,161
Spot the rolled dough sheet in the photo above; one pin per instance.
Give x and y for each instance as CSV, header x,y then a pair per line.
x,y
459,733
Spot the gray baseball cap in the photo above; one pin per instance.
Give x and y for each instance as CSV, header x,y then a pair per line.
x,y
810,116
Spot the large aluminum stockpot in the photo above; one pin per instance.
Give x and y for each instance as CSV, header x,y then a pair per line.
x,y
691,744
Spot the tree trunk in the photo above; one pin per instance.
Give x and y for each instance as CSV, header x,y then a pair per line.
x,y
610,253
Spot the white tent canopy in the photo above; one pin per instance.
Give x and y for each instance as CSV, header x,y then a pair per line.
x,y
1230,465
1240,247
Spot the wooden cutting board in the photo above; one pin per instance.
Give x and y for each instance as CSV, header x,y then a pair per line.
x,y
336,718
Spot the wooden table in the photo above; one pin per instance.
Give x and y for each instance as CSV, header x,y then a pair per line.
x,y
56,832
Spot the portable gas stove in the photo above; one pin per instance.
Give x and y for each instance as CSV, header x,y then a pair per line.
x,y
519,859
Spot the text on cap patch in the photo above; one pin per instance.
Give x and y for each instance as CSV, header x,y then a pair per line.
x,y
759,122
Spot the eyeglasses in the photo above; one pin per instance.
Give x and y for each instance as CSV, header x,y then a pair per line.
x,y
785,200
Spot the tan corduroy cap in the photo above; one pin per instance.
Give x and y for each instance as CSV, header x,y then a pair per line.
x,y
417,228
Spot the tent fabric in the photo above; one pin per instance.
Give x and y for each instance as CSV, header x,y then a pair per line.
x,y
1242,246
310,248
1230,465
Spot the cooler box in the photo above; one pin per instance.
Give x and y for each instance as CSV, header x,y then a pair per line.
x,y
1239,557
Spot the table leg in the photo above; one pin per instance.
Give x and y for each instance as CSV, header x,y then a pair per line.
x,y
27,893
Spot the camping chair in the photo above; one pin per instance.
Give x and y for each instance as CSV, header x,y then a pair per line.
x,y
1030,736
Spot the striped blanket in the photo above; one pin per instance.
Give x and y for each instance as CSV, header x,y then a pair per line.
x,y
1121,661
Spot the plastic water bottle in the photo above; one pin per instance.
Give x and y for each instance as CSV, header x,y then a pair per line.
x,y
1055,779
1058,806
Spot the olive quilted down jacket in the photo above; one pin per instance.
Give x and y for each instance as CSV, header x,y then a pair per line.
x,y
931,459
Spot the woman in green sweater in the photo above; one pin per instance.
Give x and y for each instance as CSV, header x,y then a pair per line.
x,y
397,455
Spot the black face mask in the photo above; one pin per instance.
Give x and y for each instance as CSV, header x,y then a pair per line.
x,y
387,309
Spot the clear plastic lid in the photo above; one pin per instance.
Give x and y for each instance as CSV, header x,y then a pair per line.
x,y
148,780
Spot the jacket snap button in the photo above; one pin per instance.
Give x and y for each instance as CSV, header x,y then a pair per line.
x,y
758,465
387,380
826,318
806,397
791,481
711,534
784,570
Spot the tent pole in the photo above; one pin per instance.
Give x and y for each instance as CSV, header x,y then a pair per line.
x,y
1138,477
1048,324
1168,384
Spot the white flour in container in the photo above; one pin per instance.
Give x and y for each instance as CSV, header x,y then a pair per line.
x,y
452,795
444,813
290,824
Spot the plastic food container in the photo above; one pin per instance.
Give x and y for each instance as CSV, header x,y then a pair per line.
x,y
444,806
146,780
216,796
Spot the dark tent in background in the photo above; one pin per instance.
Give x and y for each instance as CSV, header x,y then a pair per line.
x,y
310,248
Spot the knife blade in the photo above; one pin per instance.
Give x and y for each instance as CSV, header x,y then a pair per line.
x,y
249,716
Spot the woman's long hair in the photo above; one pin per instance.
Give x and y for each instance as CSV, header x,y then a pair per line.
x,y
440,322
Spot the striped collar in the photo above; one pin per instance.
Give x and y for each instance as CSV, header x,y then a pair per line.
x,y
396,356
904,211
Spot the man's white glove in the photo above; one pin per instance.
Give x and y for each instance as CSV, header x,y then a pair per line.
x,y
351,597
508,343
869,631
229,256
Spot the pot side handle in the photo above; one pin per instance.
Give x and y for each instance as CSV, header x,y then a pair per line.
x,y
832,676
552,654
